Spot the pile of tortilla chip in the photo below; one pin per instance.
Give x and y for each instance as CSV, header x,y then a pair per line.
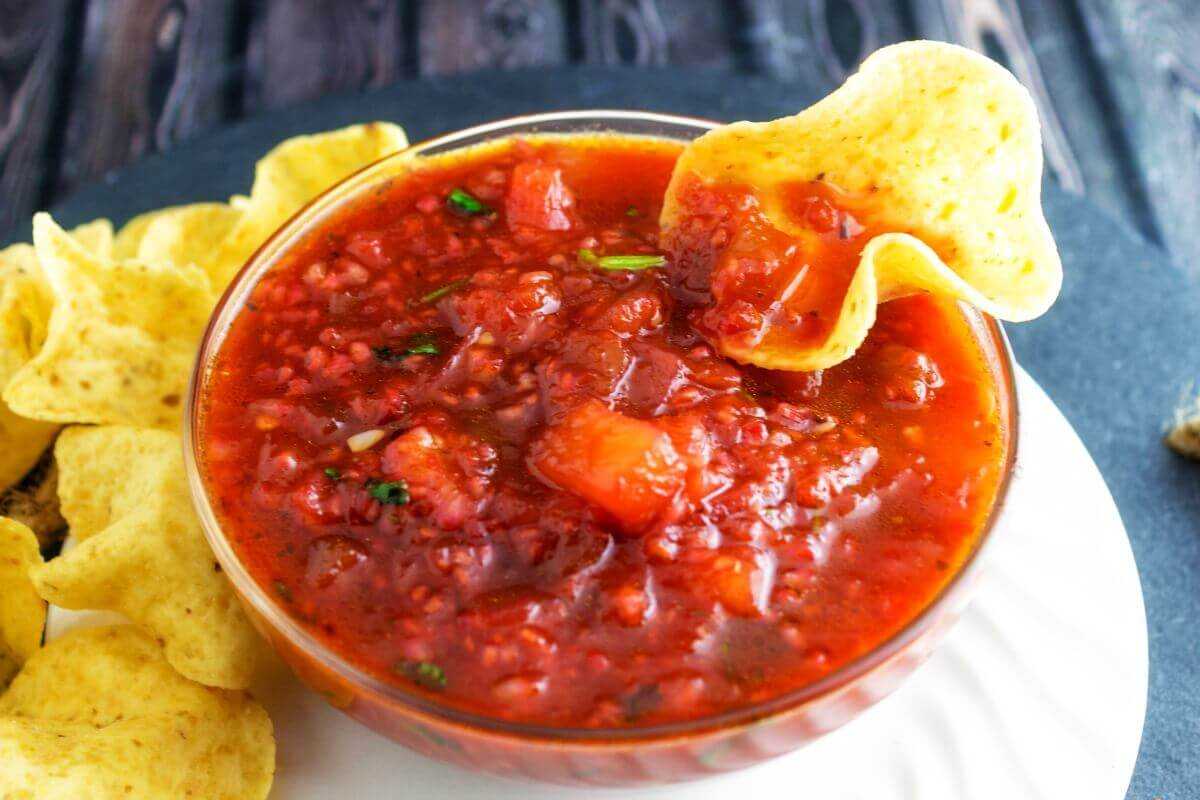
x,y
940,147
98,334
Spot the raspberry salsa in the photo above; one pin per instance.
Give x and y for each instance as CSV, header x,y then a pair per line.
x,y
472,434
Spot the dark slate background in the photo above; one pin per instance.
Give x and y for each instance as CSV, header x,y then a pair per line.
x,y
1117,352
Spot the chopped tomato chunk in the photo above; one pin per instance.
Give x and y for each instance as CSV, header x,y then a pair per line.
x,y
516,308
742,582
626,466
445,469
537,197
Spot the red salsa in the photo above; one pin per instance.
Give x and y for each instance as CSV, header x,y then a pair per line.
x,y
472,435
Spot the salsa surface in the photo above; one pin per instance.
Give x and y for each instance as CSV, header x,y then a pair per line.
x,y
479,457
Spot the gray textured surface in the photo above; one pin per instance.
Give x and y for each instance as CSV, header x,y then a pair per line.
x,y
1116,353
88,86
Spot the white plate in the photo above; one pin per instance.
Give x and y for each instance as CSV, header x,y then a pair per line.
x,y
1038,692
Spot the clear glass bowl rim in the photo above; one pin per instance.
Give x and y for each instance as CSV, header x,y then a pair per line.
x,y
621,122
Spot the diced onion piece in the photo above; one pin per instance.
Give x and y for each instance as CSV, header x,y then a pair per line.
x,y
365,440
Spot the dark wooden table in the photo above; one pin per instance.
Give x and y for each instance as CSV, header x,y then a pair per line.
x,y
88,85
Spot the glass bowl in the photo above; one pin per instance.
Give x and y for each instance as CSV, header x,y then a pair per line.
x,y
654,754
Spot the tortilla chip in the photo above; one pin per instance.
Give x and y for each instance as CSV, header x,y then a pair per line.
x,y
25,305
99,713
140,551
1184,438
96,236
121,339
1184,434
933,141
290,176
22,612
129,238
178,235
24,312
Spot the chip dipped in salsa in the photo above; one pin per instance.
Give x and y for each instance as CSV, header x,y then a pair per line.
x,y
472,433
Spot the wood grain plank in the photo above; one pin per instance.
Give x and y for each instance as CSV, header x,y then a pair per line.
x,y
658,32
995,27
149,73
819,41
301,49
461,35
1080,94
30,52
1150,50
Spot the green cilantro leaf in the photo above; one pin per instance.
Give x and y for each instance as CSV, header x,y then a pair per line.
x,y
391,493
460,201
621,263
423,673
442,291
423,344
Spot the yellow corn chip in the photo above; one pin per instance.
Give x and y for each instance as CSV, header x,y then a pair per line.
x,y
129,238
25,305
96,237
100,714
936,143
121,340
22,612
24,312
177,235
290,176
140,551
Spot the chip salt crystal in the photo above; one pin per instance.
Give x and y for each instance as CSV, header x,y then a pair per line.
x,y
365,440
939,147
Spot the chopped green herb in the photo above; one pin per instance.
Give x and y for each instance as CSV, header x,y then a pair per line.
x,y
424,344
423,673
282,590
463,202
632,263
632,212
442,291
621,263
392,493
333,473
